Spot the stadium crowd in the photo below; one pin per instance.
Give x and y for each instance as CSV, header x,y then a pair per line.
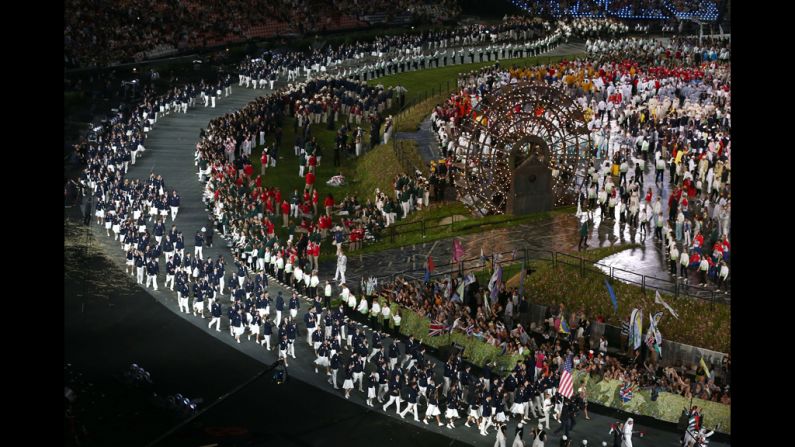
x,y
645,104
678,113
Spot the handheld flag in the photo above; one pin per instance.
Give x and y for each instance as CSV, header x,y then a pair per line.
x,y
653,336
636,328
658,300
564,328
458,251
612,296
494,283
704,365
626,392
435,329
566,388
428,269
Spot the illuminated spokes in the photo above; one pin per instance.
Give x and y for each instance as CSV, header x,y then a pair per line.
x,y
515,122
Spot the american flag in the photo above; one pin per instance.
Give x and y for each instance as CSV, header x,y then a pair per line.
x,y
566,389
436,329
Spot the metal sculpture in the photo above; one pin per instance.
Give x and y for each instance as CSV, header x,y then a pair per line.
x,y
515,123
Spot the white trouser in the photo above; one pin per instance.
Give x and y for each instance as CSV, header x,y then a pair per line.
x,y
217,322
241,280
221,283
309,332
183,304
395,399
212,99
291,348
267,341
486,422
340,274
382,389
197,251
278,317
174,211
170,278
139,275
545,418
151,279
411,408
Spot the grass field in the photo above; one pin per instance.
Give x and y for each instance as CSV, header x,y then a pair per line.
x,y
700,323
424,83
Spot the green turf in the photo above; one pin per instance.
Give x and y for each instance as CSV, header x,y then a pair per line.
x,y
425,83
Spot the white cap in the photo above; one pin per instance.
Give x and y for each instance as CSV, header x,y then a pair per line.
x,y
584,442
204,229
565,438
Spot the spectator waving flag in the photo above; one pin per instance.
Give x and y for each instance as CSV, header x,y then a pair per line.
x,y
429,269
612,296
470,329
658,300
625,393
494,283
436,329
654,337
566,388
564,328
458,251
636,328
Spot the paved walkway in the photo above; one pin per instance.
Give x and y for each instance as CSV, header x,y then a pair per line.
x,y
170,151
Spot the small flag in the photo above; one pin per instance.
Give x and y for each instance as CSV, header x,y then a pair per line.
x,y
428,269
653,336
612,296
658,300
566,388
460,289
704,365
436,329
470,329
458,251
626,392
564,328
494,283
636,328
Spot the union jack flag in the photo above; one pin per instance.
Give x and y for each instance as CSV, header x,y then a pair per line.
x,y
625,393
436,329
